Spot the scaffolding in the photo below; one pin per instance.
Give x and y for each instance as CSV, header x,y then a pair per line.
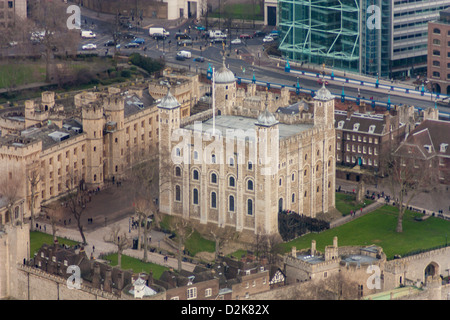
x,y
321,32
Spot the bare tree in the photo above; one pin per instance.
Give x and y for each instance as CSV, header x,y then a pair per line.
x,y
75,202
118,238
11,188
408,174
33,179
268,246
221,237
51,32
50,210
183,231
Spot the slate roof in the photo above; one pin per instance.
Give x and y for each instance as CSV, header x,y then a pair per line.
x,y
364,120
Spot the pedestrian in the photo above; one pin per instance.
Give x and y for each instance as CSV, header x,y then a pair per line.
x,y
361,211
93,248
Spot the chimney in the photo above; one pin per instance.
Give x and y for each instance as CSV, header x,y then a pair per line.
x,y
350,111
107,284
120,280
96,276
313,247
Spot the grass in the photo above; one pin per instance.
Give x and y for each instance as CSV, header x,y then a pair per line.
x,y
378,227
16,74
37,239
347,202
244,11
196,243
137,265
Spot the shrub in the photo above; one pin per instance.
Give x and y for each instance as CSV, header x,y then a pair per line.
x,y
148,64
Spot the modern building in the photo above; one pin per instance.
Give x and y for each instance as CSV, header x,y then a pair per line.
x,y
242,164
386,38
10,10
439,53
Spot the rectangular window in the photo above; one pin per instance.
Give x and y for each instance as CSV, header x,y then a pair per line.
x,y
192,293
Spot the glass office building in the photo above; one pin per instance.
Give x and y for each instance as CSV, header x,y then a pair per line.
x,y
372,37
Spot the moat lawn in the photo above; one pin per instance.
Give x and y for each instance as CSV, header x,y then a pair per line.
x,y
37,239
378,227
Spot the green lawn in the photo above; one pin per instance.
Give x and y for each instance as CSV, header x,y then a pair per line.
x,y
346,202
196,243
378,227
37,239
240,11
21,73
137,265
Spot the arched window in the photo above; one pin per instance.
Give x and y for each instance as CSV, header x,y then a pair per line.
x,y
231,182
250,185
213,158
293,177
195,196
178,152
213,178
250,207
231,203
231,162
195,174
178,171
95,177
213,200
16,213
293,197
195,155
436,31
177,193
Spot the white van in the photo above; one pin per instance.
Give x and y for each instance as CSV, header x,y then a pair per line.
x,y
88,34
185,54
152,31
214,34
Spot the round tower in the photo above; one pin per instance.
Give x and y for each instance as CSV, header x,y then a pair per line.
x,y
225,85
169,120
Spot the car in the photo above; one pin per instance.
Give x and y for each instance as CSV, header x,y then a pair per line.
x,y
159,36
218,40
200,27
89,46
180,57
259,33
109,43
268,39
186,42
139,40
181,36
236,41
199,59
129,36
132,45
245,36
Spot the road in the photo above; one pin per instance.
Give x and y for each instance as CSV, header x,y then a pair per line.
x,y
250,60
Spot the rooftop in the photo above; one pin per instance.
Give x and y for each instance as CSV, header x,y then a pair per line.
x,y
225,123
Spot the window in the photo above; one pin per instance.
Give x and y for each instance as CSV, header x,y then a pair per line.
x,y
436,74
213,178
250,185
250,165
213,200
231,203
436,63
195,196
356,127
177,193
250,207
293,197
437,42
178,171
178,152
213,158
192,293
436,31
195,155
231,162
231,182
195,174
293,177
10,4
436,53
208,292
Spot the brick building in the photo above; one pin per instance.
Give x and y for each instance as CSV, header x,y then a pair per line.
x,y
439,53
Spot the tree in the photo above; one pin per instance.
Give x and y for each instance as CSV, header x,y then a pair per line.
x,y
50,210
408,174
33,179
11,187
75,202
183,231
221,237
51,32
120,239
268,246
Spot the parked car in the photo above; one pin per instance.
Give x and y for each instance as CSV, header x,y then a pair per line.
x,y
245,36
132,45
129,36
200,27
268,39
89,46
139,40
236,41
259,33
218,40
185,54
199,59
180,57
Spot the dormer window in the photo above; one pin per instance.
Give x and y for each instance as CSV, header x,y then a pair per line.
x,y
356,127
428,147
341,124
444,147
372,129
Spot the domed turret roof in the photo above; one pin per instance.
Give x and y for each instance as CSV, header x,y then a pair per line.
x,y
266,118
224,75
323,94
169,101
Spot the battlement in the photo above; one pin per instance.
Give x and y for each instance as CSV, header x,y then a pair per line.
x,y
92,111
114,102
19,146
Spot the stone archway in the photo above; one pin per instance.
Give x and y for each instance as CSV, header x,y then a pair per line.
x,y
431,270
